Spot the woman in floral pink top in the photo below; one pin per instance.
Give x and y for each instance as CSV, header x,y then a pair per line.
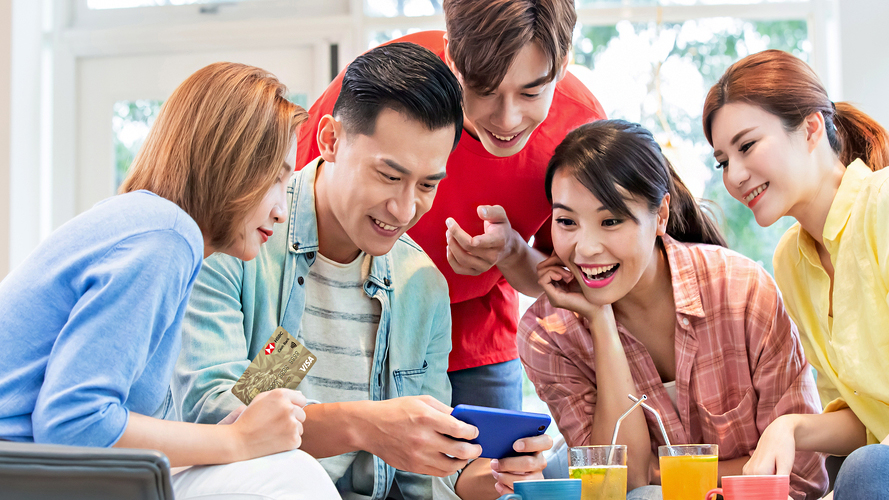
x,y
643,298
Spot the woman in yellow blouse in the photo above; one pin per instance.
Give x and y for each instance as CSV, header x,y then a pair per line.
x,y
785,149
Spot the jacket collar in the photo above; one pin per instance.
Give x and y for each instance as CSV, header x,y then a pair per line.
x,y
302,234
303,228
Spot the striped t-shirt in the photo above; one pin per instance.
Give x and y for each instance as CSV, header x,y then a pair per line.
x,y
340,327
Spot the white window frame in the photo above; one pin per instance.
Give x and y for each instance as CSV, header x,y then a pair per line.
x,y
345,23
73,31
84,17
78,32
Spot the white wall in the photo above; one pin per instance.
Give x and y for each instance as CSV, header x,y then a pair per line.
x,y
5,104
864,40
24,135
43,42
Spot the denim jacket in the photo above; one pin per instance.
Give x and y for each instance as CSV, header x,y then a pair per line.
x,y
235,307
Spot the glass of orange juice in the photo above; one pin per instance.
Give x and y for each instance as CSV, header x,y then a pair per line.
x,y
688,471
601,469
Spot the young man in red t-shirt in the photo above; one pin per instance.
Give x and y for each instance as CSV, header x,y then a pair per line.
x,y
510,57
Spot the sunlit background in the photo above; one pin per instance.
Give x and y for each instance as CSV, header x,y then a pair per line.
x,y
655,73
89,77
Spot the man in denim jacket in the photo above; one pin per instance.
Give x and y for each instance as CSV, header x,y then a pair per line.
x,y
382,334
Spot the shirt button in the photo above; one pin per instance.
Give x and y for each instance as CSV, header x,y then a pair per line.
x,y
685,321
310,255
386,281
300,280
296,246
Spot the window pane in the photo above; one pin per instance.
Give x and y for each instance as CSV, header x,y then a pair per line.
x,y
398,8
378,37
658,75
637,3
130,123
300,99
125,4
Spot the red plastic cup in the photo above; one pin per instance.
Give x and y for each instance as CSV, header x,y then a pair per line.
x,y
752,488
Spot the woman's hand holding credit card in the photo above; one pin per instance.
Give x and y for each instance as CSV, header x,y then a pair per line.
x,y
273,419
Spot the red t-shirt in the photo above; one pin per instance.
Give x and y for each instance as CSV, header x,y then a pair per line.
x,y
484,308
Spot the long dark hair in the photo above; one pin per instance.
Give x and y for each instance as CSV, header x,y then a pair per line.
x,y
786,87
609,153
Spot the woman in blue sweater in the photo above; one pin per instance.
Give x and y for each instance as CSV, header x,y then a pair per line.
x,y
90,322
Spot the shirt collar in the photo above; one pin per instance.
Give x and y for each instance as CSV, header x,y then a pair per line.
x,y
303,235
686,292
806,245
837,217
856,174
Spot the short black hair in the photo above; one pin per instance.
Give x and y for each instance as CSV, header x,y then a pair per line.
x,y
404,77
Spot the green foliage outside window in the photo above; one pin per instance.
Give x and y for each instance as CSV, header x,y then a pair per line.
x,y
130,124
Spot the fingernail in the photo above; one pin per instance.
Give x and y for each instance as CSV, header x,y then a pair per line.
x,y
484,212
449,222
520,446
495,464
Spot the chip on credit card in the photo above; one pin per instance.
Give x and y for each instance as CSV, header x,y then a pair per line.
x,y
282,362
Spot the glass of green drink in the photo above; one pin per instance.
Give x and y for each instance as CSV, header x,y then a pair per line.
x,y
601,469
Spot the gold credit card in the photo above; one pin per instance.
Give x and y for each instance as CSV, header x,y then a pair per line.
x,y
282,362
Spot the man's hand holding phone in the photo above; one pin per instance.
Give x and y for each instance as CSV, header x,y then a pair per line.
x,y
499,430
418,434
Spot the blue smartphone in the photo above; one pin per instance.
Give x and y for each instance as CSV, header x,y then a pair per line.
x,y
499,429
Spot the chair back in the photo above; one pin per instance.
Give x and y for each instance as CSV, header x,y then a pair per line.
x,y
45,472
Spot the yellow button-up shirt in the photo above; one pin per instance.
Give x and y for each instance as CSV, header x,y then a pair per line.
x,y
850,350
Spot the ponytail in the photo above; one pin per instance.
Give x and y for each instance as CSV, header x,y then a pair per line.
x,y
860,136
687,222
610,154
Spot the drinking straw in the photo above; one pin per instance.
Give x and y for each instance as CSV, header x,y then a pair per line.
x,y
617,425
656,415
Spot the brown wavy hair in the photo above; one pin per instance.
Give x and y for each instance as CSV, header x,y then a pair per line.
x,y
788,88
217,146
484,36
